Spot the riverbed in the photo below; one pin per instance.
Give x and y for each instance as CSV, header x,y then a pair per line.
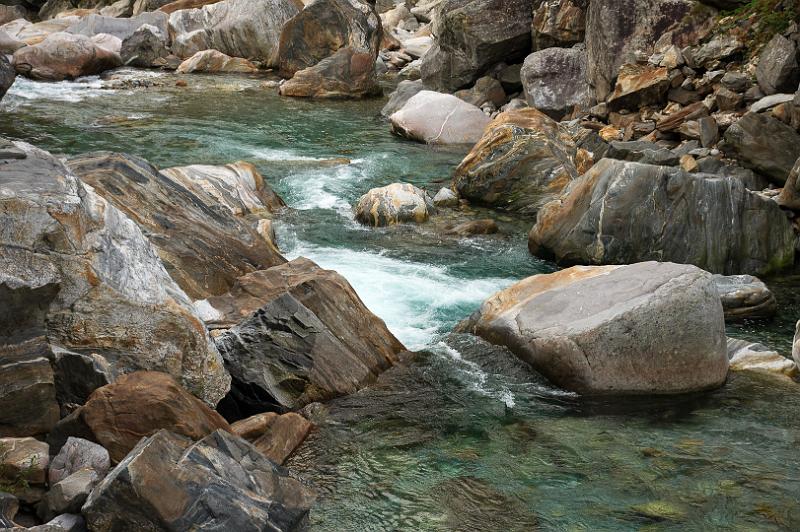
x,y
463,437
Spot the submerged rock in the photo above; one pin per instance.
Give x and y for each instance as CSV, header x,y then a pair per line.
x,y
324,27
658,328
214,61
238,28
622,212
204,247
167,482
64,56
523,160
73,267
436,118
471,37
393,204
301,335
745,296
140,404
347,73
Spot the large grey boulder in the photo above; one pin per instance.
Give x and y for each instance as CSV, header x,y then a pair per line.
x,y
203,244
250,29
75,269
471,37
778,69
393,204
121,28
764,144
298,334
555,80
219,483
325,26
142,48
524,160
436,118
621,212
7,75
617,29
63,56
657,329
405,91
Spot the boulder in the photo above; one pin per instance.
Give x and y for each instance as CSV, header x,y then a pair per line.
x,y
559,23
487,91
138,405
622,212
790,195
68,495
298,334
471,37
77,270
144,47
523,160
11,12
237,186
764,144
9,506
214,61
63,523
204,247
325,26
474,227
23,461
179,5
778,69
749,356
8,45
657,329
28,404
64,56
108,43
616,30
276,437
122,28
394,204
745,297
168,482
719,48
642,151
31,34
76,455
348,73
555,81
7,75
405,91
638,86
143,6
445,198
239,28
436,118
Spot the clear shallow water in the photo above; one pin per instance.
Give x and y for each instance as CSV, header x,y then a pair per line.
x,y
464,438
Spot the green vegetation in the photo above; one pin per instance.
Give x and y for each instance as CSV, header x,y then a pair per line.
x,y
760,20
12,481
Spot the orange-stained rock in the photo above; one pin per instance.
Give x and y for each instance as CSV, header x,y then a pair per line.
x,y
348,73
139,405
215,61
64,56
253,427
275,436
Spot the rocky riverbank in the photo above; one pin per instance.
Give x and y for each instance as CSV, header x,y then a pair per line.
x,y
162,362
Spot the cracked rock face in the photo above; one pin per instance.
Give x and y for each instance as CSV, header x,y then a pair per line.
x,y
82,274
658,328
622,212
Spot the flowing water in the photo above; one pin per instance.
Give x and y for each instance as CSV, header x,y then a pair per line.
x,y
463,437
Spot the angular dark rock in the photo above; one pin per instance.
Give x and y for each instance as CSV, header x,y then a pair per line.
x,y
778,68
555,81
764,144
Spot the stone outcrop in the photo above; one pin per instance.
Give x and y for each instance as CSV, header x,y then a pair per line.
x,y
594,345
64,56
75,269
764,144
394,204
215,61
325,26
555,81
204,247
167,482
348,73
639,85
140,404
471,37
622,212
745,297
239,28
523,160
436,118
301,335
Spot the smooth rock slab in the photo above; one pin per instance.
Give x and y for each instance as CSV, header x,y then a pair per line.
x,y
436,118
622,212
749,356
745,296
394,204
219,483
657,329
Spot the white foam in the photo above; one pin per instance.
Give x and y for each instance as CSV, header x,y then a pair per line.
x,y
25,89
478,377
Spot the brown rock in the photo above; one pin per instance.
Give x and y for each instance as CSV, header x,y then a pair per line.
x,y
674,121
282,436
214,61
23,461
139,405
639,85
64,56
790,195
253,427
346,74
185,4
474,227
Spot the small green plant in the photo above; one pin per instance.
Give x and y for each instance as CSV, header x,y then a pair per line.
x,y
760,20
12,481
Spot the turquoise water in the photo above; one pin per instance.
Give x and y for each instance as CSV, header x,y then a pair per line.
x,y
464,437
